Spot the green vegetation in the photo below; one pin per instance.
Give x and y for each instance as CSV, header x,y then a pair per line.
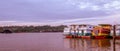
x,y
45,28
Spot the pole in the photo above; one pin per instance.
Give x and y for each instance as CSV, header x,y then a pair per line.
x,y
114,35
114,31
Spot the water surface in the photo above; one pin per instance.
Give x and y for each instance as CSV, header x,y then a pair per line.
x,y
53,42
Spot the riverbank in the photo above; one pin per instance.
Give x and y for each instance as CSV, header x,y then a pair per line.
x,y
45,28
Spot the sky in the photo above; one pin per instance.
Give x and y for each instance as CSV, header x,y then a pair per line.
x,y
58,12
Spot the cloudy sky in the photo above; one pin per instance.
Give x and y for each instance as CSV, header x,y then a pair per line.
x,y
55,12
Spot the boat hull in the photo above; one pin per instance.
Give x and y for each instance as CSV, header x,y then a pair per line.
x,y
102,37
89,37
86,37
117,37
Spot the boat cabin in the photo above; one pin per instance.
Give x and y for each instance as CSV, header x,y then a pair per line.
x,y
74,29
85,30
101,30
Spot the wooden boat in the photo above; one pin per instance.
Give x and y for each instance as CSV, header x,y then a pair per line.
x,y
101,32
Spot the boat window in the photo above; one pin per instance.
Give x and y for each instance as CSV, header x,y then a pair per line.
x,y
90,27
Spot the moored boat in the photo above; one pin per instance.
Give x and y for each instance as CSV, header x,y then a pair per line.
x,y
102,31
78,31
66,32
85,30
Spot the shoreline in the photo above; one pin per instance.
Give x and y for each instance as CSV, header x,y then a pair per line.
x,y
31,32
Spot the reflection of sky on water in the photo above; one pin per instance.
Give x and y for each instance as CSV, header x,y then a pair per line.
x,y
91,44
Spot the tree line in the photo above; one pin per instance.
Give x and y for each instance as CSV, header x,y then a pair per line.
x,y
45,28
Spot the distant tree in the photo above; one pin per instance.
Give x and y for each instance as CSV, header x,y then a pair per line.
x,y
7,31
45,28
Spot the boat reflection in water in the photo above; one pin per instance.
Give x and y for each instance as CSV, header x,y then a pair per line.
x,y
89,44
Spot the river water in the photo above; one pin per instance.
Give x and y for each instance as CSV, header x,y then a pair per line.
x,y
53,42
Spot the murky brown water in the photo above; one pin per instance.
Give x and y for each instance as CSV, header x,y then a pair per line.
x,y
53,42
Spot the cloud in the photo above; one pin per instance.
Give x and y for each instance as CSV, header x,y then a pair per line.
x,y
7,21
84,5
98,5
19,23
95,8
36,12
24,23
112,5
111,19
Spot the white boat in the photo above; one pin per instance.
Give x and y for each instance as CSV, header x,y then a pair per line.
x,y
79,30
85,30
66,31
